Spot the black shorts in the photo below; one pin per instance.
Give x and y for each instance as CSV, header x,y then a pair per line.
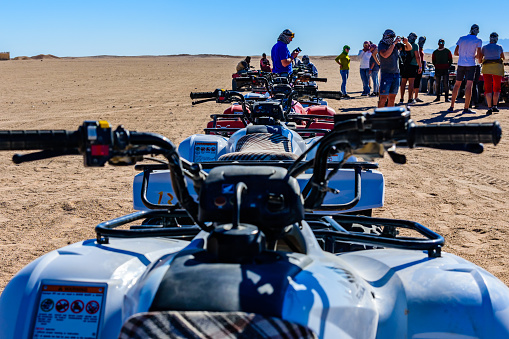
x,y
418,77
409,71
465,73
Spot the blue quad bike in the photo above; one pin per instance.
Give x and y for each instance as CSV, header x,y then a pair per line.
x,y
267,132
249,259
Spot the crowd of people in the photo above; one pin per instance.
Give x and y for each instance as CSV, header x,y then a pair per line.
x,y
400,61
397,61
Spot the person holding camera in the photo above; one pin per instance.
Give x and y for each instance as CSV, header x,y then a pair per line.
x,y
389,49
411,66
281,57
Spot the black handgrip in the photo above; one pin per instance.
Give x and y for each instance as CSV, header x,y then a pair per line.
x,y
454,134
329,94
319,79
38,140
203,95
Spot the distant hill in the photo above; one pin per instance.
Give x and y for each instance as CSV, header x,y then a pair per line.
x,y
502,42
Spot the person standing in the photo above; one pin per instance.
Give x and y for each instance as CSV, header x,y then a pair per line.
x,y
411,67
417,81
388,50
468,48
280,55
442,60
364,56
492,56
374,68
343,60
265,63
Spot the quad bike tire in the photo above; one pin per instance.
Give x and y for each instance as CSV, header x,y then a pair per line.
x,y
234,85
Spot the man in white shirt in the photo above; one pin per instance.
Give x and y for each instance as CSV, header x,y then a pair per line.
x,y
364,57
468,48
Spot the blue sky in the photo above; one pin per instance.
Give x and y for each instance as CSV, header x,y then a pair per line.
x,y
157,27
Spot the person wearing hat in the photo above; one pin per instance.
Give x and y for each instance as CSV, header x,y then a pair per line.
x,y
343,60
468,48
281,57
309,65
442,60
492,56
388,51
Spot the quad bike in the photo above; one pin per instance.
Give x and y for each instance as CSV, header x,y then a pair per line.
x,y
267,133
248,260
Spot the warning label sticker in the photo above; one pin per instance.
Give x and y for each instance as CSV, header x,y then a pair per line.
x,y
69,312
205,151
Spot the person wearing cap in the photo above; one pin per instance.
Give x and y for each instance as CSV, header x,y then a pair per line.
x,y
343,60
492,56
418,77
468,48
281,57
265,63
309,65
442,60
364,56
411,67
388,51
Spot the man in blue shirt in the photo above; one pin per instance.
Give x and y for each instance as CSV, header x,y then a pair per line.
x,y
281,57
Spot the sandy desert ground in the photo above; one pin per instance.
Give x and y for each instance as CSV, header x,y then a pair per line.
x,y
51,203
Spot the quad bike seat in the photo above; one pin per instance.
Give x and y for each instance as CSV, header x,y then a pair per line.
x,y
261,143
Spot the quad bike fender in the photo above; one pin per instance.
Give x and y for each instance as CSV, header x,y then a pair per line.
x,y
115,267
418,296
332,300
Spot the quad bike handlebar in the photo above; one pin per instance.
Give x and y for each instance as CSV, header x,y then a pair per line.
x,y
100,144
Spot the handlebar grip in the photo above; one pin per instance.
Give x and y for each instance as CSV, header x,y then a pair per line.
x,y
203,95
319,79
454,134
38,139
329,94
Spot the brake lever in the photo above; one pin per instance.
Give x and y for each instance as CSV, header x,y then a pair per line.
x,y
21,158
202,101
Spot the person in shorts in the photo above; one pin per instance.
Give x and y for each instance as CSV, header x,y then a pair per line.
x,y
492,56
388,52
418,78
468,48
411,67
